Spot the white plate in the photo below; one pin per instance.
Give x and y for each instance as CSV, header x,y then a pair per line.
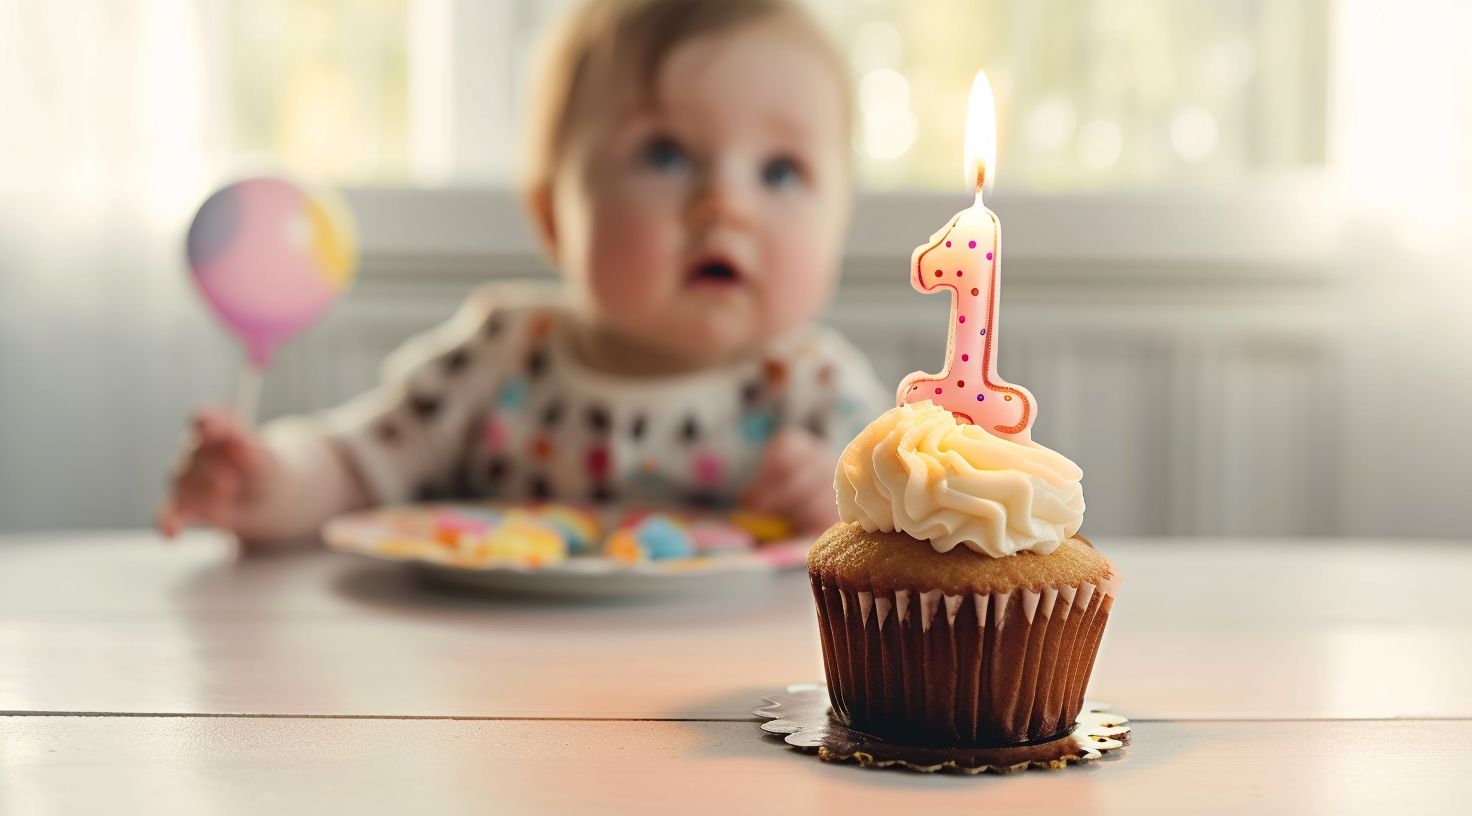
x,y
578,576
569,581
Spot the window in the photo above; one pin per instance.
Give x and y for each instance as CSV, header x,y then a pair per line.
x,y
320,84
1091,95
167,97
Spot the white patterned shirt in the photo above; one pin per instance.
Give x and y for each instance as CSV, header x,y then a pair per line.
x,y
495,403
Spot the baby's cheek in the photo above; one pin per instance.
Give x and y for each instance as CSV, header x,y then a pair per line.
x,y
803,270
629,259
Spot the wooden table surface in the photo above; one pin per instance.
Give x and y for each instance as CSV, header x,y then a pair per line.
x,y
1261,676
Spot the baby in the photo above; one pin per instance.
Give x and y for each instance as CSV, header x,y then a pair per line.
x,y
689,179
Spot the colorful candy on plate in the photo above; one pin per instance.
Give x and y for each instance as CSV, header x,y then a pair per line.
x,y
480,536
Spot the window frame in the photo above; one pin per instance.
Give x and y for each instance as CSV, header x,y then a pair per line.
x,y
1266,228
461,58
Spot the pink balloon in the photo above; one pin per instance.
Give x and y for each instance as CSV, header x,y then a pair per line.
x,y
270,258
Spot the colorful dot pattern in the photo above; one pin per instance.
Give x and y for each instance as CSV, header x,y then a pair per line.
x,y
497,416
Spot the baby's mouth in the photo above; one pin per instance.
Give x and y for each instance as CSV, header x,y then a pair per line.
x,y
716,272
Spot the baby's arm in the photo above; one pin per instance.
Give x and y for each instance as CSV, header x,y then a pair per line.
x,y
391,444
276,486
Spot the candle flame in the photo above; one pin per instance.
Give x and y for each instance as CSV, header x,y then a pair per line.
x,y
981,133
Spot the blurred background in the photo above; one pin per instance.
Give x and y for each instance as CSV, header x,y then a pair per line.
x,y
1236,232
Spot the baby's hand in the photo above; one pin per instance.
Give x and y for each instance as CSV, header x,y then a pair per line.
x,y
794,480
218,479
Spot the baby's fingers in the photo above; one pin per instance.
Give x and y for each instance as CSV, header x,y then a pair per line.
x,y
207,496
779,459
785,490
216,431
170,518
214,424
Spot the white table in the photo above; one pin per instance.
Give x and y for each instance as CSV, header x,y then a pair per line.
x,y
1276,676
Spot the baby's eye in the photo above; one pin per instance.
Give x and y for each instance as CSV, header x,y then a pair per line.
x,y
664,154
781,172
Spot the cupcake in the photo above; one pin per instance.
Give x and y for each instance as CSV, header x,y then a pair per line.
x,y
956,602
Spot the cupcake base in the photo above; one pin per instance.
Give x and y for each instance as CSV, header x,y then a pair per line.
x,y
957,648
803,715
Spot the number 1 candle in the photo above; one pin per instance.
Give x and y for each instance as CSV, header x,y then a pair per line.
x,y
965,258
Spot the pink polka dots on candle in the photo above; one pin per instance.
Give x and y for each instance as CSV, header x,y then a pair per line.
x,y
988,256
959,273
948,243
962,318
965,357
971,244
937,390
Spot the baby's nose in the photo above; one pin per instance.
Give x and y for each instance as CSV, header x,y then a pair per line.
x,y
721,199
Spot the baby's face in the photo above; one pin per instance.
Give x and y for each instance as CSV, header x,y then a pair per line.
x,y
707,217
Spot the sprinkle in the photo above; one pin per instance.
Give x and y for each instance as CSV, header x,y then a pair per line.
x,y
963,318
980,397
948,243
937,390
938,273
965,357
975,292
960,383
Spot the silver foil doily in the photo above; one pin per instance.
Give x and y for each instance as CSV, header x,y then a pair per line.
x,y
801,715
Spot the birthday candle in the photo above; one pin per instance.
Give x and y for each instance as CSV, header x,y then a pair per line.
x,y
965,258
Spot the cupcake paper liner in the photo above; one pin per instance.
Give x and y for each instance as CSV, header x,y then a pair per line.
x,y
998,669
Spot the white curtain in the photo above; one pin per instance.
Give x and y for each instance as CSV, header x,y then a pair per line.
x,y
104,134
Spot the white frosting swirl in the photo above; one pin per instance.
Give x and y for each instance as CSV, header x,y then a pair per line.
x,y
917,470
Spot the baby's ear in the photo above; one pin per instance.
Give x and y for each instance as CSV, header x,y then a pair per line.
x,y
538,201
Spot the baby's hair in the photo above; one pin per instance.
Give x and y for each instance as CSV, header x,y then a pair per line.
x,y
600,36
